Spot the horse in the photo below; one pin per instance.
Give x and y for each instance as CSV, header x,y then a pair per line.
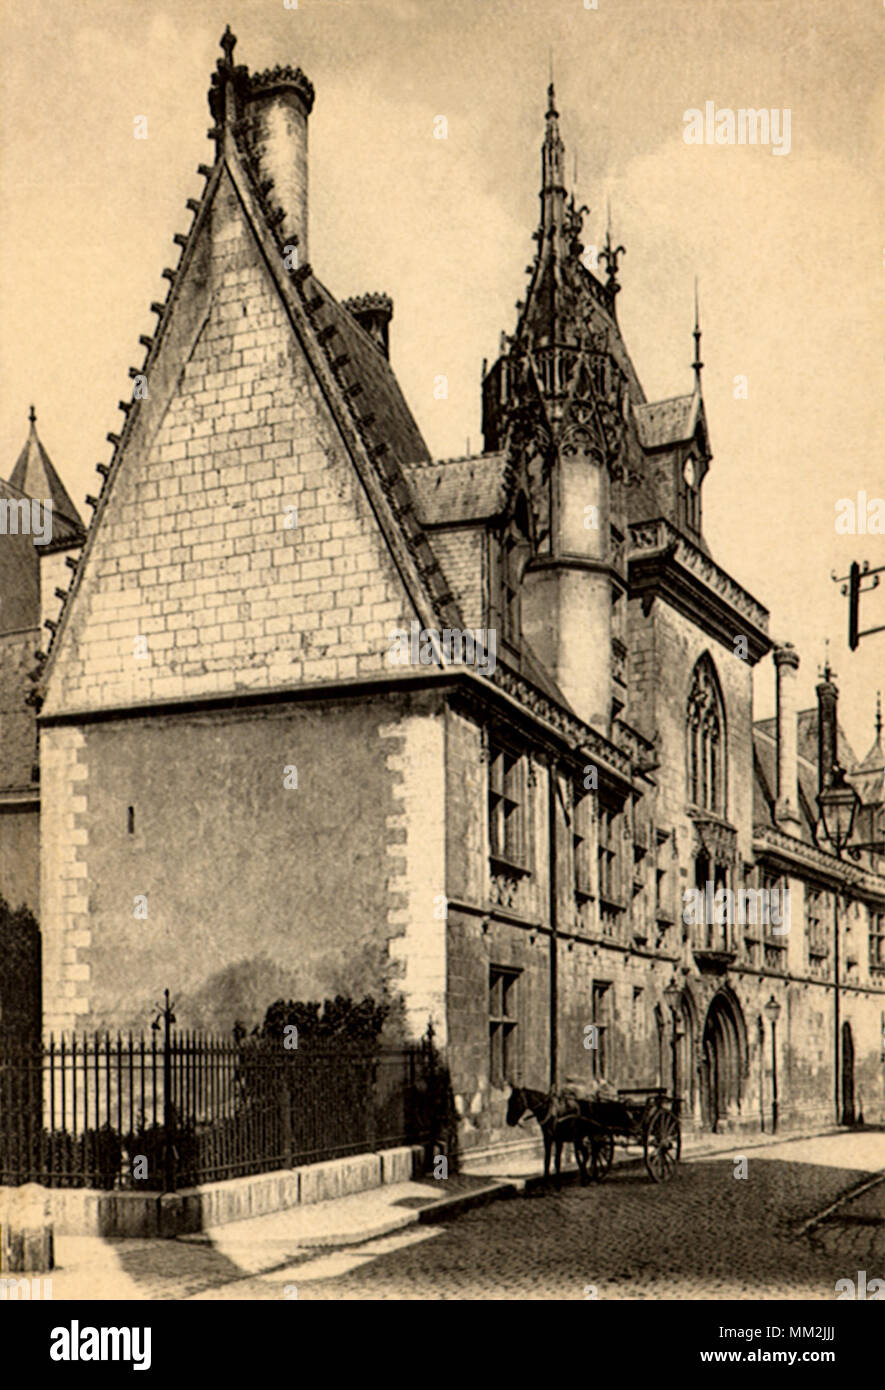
x,y
559,1126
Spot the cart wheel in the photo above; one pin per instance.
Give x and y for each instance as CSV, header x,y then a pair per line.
x,y
602,1152
663,1145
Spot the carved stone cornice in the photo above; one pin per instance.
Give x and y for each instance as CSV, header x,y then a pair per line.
x,y
584,741
775,845
663,561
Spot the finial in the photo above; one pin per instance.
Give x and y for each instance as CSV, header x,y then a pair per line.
x,y
697,364
878,715
32,416
228,43
610,255
551,95
826,674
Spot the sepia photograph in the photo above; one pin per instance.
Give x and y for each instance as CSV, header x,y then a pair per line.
x,y
442,771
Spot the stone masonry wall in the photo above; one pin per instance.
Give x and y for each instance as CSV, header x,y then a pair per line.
x,y
196,552
177,896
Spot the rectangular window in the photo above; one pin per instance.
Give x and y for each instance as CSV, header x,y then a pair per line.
x,y
582,824
507,807
817,930
503,1024
637,1025
877,941
608,852
775,942
664,878
602,1018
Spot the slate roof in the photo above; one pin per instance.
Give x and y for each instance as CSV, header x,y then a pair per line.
x,y
663,423
765,769
868,777
453,491
19,615
19,575
35,476
381,394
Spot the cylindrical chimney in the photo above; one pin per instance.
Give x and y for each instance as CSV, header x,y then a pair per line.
x,y
279,103
827,756
786,811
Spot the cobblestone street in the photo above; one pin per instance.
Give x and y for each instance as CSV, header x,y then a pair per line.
x,y
705,1234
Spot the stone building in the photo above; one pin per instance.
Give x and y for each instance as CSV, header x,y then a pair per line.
x,y
34,541
247,790
39,526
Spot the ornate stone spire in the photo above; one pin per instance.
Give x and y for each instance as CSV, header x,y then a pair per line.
x,y
552,174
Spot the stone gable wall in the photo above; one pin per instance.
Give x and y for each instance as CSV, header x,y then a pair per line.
x,y
196,552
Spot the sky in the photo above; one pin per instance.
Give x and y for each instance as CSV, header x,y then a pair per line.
x,y
789,250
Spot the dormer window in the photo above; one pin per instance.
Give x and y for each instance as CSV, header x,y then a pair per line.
x,y
692,494
510,588
509,553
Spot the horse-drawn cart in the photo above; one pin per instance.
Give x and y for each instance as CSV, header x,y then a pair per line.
x,y
643,1117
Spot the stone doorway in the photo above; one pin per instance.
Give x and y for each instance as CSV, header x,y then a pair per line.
x,y
721,1063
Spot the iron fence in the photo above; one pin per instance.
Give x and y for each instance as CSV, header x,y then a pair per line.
x,y
171,1112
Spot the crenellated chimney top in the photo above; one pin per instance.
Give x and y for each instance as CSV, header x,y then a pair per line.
x,y
268,111
373,312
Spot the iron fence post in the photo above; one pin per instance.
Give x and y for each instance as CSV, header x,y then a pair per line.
x,y
169,1166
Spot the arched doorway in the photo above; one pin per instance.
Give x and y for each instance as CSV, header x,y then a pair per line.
x,y
721,1062
847,1075
687,1056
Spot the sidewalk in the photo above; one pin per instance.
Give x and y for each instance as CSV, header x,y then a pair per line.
x,y
89,1267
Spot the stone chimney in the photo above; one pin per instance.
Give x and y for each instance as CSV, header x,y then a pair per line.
x,y
373,312
268,112
827,696
786,811
277,105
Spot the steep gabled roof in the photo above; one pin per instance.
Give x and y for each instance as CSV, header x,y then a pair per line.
x,y
381,394
868,777
765,769
673,421
352,372
19,575
35,476
453,491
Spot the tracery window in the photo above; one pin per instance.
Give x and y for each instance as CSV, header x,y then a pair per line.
x,y
705,733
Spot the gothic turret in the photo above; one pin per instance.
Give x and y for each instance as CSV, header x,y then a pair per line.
x,y
559,402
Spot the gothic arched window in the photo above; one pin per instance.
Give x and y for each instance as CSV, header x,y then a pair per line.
x,y
705,735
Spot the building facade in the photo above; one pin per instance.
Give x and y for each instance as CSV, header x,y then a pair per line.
x,y
321,712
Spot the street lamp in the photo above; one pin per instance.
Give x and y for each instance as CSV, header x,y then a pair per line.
x,y
673,997
772,1012
838,804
